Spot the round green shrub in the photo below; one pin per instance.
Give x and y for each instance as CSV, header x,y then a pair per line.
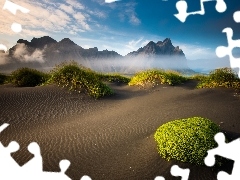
x,y
26,77
186,140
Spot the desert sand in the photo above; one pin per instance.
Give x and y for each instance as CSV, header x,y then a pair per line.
x,y
111,138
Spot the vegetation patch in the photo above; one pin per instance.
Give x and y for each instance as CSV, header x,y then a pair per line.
x,y
155,77
27,77
114,78
3,78
79,78
186,140
199,77
223,77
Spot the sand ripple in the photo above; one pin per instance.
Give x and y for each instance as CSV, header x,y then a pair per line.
x,y
110,138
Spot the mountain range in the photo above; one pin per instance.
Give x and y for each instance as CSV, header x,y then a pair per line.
x,y
45,53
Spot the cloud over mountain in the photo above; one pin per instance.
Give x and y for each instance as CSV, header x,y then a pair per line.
x,y
47,52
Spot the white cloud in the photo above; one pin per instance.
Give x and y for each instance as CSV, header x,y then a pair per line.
x,y
193,52
129,9
21,53
3,58
206,65
75,4
34,33
144,43
134,20
107,47
86,46
110,1
68,9
44,17
97,13
134,44
80,18
3,48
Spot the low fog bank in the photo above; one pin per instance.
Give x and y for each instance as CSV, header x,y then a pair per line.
x,y
3,58
207,65
21,53
127,65
131,65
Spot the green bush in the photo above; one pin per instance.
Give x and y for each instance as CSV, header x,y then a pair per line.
x,y
26,77
79,78
3,78
155,77
223,77
186,140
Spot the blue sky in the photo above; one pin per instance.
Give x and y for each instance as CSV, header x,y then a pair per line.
x,y
123,26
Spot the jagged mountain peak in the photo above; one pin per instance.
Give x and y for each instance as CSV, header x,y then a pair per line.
x,y
44,38
166,42
151,43
67,41
42,41
38,42
22,41
164,47
52,52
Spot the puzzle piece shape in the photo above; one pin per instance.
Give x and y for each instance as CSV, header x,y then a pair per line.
x,y
177,171
182,7
222,51
227,150
159,178
16,27
3,47
12,7
4,126
33,166
236,16
64,164
7,163
110,1
33,169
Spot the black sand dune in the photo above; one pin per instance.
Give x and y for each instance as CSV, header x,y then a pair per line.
x,y
110,138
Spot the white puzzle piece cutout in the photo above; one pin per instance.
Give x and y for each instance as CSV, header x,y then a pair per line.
x,y
33,169
12,7
3,47
16,27
111,1
182,9
222,51
236,16
177,171
228,150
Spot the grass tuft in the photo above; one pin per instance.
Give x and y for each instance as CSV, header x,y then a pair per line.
x,y
79,78
3,78
155,77
27,77
223,77
114,78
